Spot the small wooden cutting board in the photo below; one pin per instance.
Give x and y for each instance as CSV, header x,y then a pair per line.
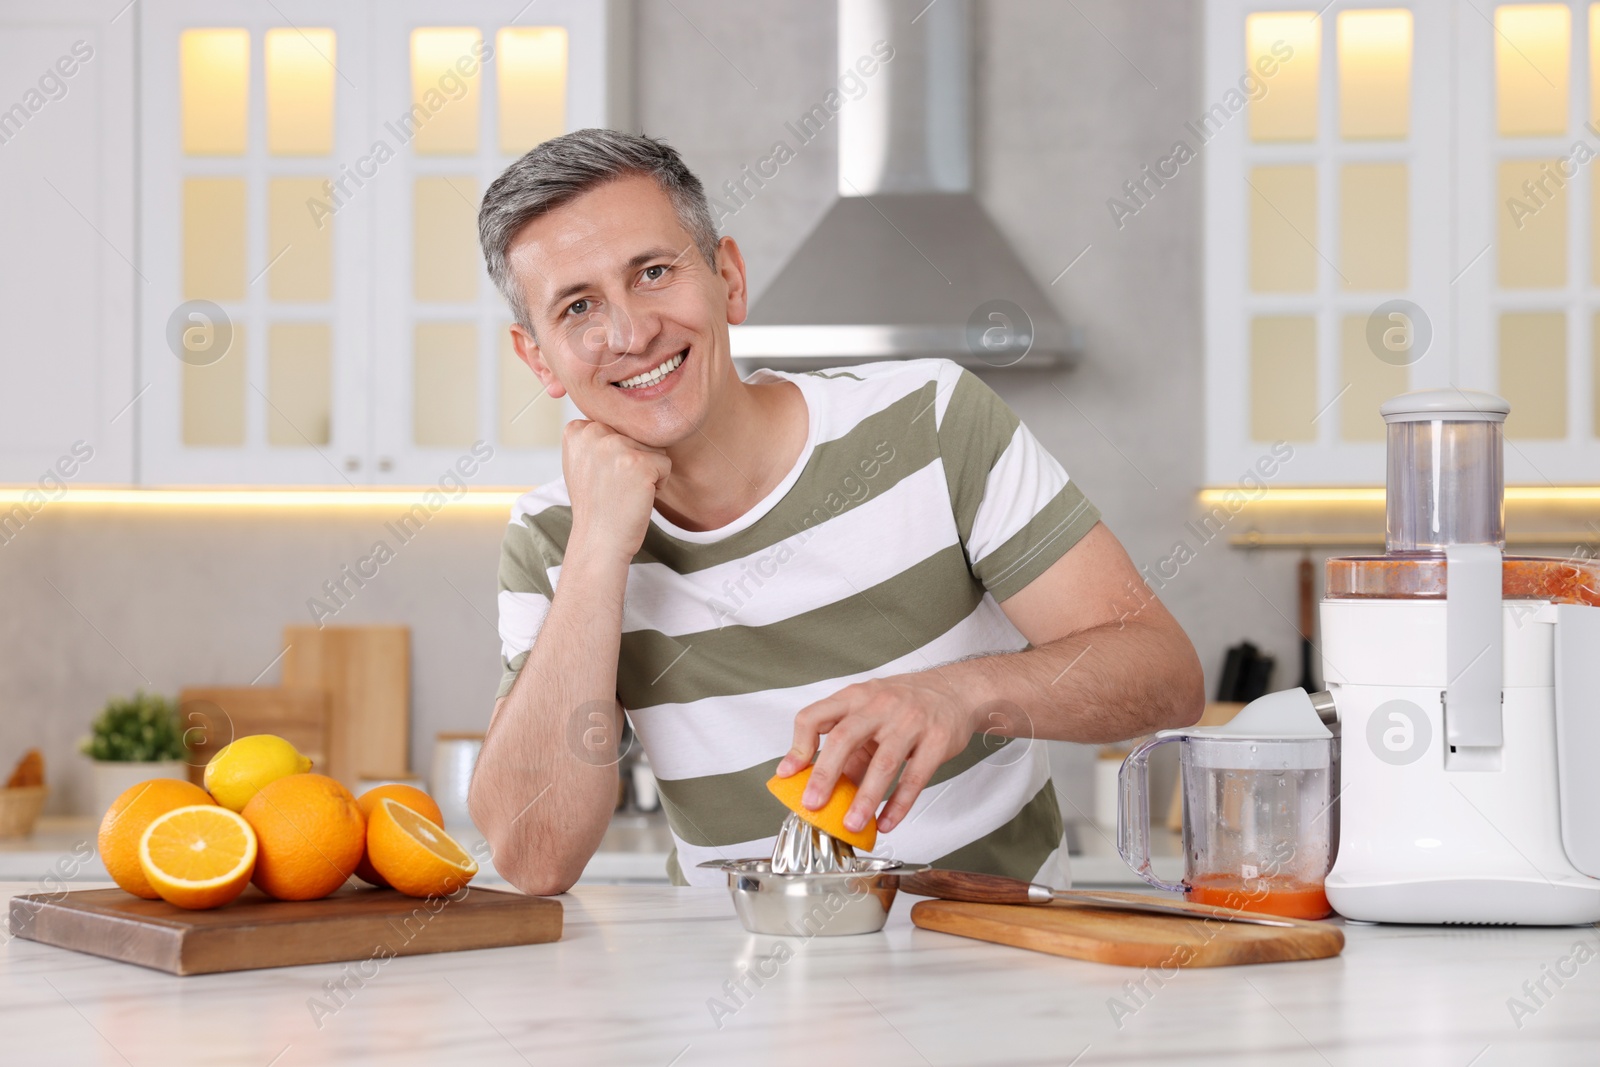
x,y
256,931
1126,938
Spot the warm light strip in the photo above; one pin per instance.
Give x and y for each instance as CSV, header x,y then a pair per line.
x,y
1519,494
31,497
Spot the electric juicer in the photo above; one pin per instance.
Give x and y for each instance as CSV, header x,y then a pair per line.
x,y
1467,690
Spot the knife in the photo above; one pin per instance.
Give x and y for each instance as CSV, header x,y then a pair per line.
x,y
976,888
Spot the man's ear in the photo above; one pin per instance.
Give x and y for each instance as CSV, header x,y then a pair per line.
x,y
529,352
730,267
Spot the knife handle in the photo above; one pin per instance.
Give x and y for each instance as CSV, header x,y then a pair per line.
x,y
972,887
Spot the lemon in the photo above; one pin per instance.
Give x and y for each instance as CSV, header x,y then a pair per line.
x,y
242,768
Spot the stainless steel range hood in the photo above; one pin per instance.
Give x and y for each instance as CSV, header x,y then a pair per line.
x,y
906,263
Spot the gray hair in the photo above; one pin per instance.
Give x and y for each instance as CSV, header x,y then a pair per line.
x,y
564,168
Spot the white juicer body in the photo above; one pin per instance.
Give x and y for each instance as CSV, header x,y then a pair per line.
x,y
1435,833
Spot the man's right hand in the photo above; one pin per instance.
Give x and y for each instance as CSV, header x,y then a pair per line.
x,y
612,480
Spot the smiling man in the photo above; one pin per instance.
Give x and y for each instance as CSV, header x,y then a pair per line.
x,y
877,567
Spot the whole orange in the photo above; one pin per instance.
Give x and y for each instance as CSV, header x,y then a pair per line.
x,y
411,797
309,836
127,819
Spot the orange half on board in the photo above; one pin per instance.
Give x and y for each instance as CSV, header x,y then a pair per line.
x,y
830,817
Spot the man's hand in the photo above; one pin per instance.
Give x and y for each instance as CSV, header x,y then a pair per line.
x,y
873,727
612,481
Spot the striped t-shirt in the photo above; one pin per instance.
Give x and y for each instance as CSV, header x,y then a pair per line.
x,y
917,504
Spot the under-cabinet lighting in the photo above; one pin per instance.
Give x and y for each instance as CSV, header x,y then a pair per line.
x,y
1518,494
35,498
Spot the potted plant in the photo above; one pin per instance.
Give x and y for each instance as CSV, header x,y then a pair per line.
x,y
134,739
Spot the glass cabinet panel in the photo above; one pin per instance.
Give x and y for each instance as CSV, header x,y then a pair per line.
x,y
299,384
445,76
1368,382
444,385
213,399
299,244
1532,46
531,62
1283,378
213,239
445,261
1375,74
1283,229
1533,373
1532,220
1374,226
300,75
1290,43
214,90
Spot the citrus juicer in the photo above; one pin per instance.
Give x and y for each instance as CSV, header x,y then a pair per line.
x,y
1467,687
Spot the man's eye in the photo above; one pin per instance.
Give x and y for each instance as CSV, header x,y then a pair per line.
x,y
577,307
656,272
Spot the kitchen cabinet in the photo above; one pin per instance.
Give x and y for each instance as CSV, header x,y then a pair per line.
x,y
317,312
69,278
1397,197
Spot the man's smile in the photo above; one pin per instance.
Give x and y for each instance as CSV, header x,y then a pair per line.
x,y
655,376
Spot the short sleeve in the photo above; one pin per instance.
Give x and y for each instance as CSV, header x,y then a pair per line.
x,y
1016,510
527,556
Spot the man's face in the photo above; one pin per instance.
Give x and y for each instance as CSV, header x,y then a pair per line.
x,y
628,317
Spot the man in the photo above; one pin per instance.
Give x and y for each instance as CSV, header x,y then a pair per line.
x,y
876,567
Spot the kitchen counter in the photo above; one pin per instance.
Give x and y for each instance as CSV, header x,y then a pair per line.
x,y
633,852
638,978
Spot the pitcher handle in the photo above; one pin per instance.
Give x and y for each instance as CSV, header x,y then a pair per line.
x,y
1133,809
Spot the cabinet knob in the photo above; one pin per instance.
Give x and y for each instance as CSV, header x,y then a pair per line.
x,y
385,463
351,463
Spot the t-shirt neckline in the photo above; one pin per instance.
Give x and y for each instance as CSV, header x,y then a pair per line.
x,y
765,505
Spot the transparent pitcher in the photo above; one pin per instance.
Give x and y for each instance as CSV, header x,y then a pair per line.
x,y
1258,830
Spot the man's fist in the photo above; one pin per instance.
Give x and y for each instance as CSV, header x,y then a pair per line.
x,y
612,481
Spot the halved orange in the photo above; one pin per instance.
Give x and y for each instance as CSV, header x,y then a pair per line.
x,y
199,856
414,854
830,817
411,797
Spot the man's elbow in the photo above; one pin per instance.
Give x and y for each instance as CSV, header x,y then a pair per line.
x,y
539,878
1187,682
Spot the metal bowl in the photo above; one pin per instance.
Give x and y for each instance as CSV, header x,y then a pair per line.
x,y
810,905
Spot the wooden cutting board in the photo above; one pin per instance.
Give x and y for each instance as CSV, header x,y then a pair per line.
x,y
213,716
256,931
1128,939
366,672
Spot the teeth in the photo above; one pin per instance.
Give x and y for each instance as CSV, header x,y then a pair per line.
x,y
651,377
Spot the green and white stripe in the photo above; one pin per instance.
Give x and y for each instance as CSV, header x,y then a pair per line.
x,y
918,504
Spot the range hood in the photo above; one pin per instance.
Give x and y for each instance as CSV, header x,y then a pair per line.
x,y
906,263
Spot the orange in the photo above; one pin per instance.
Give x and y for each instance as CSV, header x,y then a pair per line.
x,y
129,816
830,817
411,797
200,856
414,854
310,835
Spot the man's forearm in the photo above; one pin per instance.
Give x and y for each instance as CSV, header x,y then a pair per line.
x,y
1104,684
546,781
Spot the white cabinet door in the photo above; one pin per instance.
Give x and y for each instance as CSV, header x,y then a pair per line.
x,y
1328,230
460,94
67,280
254,336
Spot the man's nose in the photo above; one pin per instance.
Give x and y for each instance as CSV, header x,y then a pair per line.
x,y
620,328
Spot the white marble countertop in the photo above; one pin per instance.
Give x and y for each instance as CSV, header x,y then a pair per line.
x,y
634,978
633,852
